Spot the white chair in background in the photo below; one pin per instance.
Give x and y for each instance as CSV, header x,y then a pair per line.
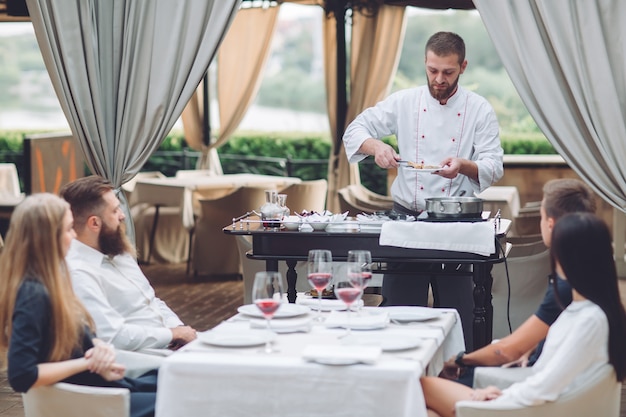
x,y
9,182
599,396
160,227
528,266
306,195
213,252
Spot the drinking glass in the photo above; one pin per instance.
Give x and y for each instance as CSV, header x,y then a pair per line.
x,y
267,293
348,289
319,273
359,265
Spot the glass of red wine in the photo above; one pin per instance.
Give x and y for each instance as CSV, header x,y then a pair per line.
x,y
267,293
359,269
348,289
319,273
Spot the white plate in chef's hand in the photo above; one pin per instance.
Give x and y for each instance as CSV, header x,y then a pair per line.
x,y
236,339
285,310
421,169
401,313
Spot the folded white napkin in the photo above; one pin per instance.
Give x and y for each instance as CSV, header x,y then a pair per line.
x,y
341,354
477,237
364,320
327,304
302,324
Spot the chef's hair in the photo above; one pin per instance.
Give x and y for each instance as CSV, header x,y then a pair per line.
x,y
446,43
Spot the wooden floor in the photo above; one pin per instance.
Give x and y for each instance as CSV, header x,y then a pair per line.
x,y
201,303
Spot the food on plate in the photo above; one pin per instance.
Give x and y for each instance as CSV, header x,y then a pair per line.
x,y
421,166
326,293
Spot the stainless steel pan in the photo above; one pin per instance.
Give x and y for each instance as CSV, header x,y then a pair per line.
x,y
454,207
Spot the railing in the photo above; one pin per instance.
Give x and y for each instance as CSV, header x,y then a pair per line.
x,y
169,162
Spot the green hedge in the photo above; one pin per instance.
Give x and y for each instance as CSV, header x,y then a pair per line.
x,y
307,154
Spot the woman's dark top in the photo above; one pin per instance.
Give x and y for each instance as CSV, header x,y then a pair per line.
x,y
31,341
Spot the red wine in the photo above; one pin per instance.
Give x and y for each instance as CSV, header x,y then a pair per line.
x,y
348,294
319,280
268,306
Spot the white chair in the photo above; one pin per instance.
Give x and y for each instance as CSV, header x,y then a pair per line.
x,y
599,396
529,266
348,202
368,198
307,195
160,231
9,181
213,252
70,400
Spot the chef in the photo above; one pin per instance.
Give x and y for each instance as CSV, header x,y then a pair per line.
x,y
452,135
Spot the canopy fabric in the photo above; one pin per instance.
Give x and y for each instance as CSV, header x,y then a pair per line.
x,y
240,63
123,70
375,53
566,59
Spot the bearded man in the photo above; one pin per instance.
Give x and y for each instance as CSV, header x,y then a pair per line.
x,y
448,129
106,276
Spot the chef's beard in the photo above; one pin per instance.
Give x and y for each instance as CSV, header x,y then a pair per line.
x,y
443,94
114,242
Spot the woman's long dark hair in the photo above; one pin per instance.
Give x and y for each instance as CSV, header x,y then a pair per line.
x,y
581,244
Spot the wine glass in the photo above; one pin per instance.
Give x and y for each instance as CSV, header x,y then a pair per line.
x,y
348,289
267,293
359,265
319,273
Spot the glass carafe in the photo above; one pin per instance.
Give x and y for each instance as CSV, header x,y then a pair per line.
x,y
271,211
282,202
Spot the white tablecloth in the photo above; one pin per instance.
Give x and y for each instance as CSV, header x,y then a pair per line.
x,y
176,198
179,191
203,380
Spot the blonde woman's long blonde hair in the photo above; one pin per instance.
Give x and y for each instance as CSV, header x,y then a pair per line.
x,y
33,248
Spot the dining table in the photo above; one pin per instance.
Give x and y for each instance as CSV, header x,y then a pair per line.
x,y
316,368
480,244
182,193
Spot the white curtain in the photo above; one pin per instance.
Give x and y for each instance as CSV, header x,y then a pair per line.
x,y
241,62
125,69
566,59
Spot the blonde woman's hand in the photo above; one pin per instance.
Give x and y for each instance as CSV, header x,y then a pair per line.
x,y
100,357
486,394
114,372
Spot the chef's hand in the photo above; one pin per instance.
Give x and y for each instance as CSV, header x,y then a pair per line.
x,y
384,155
450,168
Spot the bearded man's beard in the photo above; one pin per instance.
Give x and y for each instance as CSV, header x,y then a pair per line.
x,y
113,241
443,94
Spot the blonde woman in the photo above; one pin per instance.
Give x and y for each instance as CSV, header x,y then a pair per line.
x,y
48,334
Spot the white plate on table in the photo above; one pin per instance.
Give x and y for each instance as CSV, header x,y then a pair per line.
x,y
236,339
388,341
285,310
407,314
341,354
